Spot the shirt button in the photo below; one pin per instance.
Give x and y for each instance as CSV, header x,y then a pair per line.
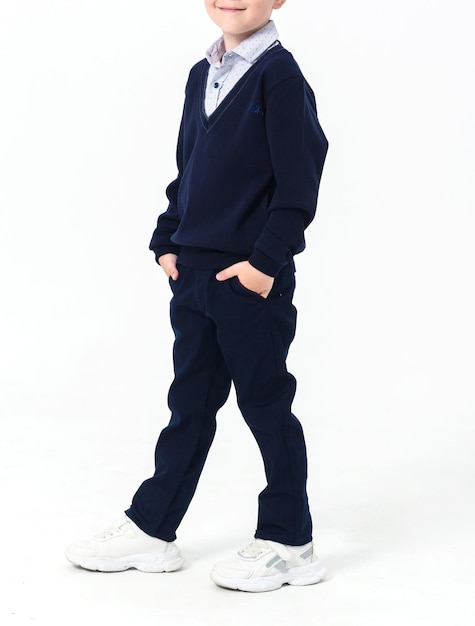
x,y
216,85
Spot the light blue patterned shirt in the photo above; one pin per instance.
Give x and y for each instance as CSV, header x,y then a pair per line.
x,y
226,68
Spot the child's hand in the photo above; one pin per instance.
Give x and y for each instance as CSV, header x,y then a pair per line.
x,y
249,277
168,264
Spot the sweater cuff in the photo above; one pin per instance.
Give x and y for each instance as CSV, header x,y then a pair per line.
x,y
161,250
265,264
280,240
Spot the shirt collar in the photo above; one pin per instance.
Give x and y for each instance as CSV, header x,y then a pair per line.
x,y
250,49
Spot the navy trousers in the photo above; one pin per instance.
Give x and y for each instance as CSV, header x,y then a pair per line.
x,y
223,333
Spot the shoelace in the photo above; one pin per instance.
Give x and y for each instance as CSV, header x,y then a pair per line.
x,y
254,549
257,548
110,532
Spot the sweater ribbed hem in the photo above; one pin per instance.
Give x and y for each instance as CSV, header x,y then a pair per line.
x,y
202,258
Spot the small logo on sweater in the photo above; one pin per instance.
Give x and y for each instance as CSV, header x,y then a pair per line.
x,y
256,108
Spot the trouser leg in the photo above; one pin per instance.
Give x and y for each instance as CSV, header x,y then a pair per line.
x,y
200,387
254,335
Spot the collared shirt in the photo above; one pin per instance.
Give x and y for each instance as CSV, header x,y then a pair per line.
x,y
227,68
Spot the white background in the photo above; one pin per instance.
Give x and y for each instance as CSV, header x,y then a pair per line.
x,y
91,93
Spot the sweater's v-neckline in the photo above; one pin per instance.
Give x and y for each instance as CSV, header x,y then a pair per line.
x,y
209,121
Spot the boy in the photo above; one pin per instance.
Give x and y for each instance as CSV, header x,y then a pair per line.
x,y
250,156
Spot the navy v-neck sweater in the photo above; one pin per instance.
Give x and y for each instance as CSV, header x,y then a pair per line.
x,y
248,175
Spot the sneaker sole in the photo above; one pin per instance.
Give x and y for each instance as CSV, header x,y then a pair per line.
x,y
151,563
298,576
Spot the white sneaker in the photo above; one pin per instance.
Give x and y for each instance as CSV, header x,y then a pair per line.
x,y
122,547
267,565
